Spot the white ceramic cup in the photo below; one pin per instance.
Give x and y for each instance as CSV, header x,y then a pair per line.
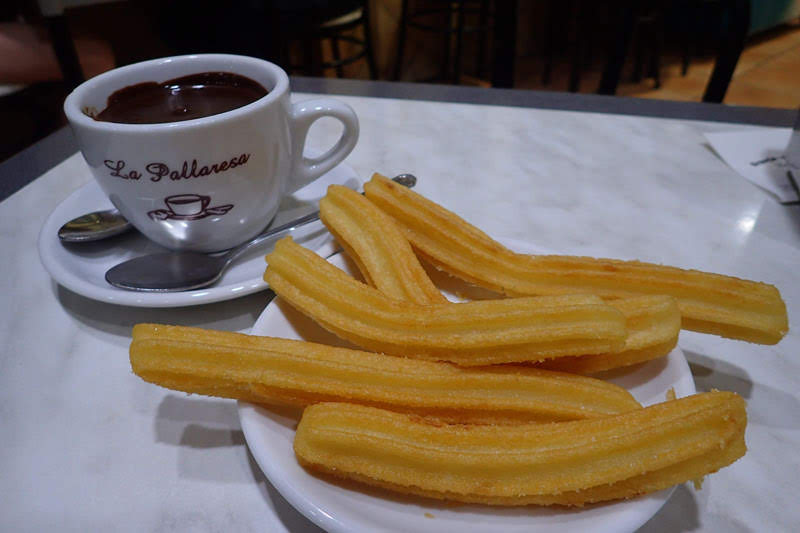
x,y
210,183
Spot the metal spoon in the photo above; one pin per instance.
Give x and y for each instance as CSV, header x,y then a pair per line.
x,y
186,271
94,226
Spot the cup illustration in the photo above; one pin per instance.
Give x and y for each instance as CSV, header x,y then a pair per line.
x,y
188,207
187,204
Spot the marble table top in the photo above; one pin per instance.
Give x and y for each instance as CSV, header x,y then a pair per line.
x,y
87,446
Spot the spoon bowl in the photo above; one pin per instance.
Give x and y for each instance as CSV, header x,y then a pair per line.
x,y
94,226
168,272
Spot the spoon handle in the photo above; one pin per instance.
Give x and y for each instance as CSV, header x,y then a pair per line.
x,y
274,233
406,180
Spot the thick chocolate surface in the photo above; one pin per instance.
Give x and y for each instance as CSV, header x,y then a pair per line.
x,y
185,98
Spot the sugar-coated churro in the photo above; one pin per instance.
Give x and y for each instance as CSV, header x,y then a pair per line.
x,y
268,370
653,324
377,245
566,463
471,333
710,303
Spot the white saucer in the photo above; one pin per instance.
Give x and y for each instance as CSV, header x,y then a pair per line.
x,y
81,267
356,509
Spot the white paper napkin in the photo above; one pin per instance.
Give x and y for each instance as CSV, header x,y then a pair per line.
x,y
758,155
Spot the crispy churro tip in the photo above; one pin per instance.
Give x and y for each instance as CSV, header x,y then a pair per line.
x,y
709,303
566,463
377,245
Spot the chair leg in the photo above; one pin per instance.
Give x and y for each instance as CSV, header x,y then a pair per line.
x,y
284,55
459,42
639,33
658,45
64,49
401,40
549,41
616,57
368,49
589,34
444,72
310,57
577,53
337,56
504,43
732,44
685,33
483,35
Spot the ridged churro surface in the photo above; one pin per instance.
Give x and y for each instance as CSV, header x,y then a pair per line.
x,y
653,324
269,370
377,245
566,463
710,303
471,333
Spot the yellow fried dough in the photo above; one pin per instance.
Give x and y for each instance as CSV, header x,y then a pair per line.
x,y
709,303
377,245
268,370
653,324
471,333
386,259
691,469
566,463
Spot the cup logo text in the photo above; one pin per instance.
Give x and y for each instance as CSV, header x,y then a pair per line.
x,y
186,170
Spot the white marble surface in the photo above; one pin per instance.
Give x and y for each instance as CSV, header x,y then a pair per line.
x,y
85,445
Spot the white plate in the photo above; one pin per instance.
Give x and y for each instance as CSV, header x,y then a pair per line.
x,y
350,508
81,267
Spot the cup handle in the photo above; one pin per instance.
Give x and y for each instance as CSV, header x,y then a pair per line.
x,y
303,115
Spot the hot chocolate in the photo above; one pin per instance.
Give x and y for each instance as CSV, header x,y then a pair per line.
x,y
179,99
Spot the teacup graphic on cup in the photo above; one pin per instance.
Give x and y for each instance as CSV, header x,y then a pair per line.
x,y
188,207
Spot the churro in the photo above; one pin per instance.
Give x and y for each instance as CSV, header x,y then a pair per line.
x,y
471,333
268,370
386,260
565,463
377,246
709,303
653,324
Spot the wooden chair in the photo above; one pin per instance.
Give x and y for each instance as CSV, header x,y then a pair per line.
x,y
453,29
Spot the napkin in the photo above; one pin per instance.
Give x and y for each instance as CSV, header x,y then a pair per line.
x,y
759,155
